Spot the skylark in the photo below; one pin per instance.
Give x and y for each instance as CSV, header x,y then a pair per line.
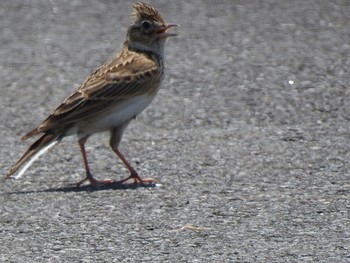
x,y
110,97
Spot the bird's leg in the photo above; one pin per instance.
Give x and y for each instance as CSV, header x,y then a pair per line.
x,y
89,176
133,174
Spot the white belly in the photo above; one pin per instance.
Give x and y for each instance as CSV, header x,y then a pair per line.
x,y
115,116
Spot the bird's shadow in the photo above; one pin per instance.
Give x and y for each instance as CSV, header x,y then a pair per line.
x,y
88,188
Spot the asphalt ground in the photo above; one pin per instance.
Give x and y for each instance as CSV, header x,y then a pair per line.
x,y
249,135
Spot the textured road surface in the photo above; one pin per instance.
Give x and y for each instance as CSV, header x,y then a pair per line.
x,y
249,135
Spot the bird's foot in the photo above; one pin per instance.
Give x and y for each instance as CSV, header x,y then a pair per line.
x,y
134,176
137,180
95,182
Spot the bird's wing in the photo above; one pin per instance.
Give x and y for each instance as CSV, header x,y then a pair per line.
x,y
129,74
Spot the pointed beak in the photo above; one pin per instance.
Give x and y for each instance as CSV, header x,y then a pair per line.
x,y
162,31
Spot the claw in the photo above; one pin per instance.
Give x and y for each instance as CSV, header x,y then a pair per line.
x,y
95,182
137,179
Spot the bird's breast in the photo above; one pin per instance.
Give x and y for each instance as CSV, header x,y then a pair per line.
x,y
114,116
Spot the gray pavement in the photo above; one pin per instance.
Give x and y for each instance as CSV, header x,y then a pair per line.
x,y
249,135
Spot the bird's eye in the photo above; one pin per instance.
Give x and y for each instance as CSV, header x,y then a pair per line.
x,y
146,24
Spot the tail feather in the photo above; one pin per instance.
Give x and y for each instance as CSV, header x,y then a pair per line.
x,y
32,133
38,148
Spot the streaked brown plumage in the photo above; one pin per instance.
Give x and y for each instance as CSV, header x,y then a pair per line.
x,y
110,97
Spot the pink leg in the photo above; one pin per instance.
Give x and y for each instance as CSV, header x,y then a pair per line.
x,y
133,174
89,176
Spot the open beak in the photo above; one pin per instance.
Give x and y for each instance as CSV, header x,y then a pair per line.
x,y
162,31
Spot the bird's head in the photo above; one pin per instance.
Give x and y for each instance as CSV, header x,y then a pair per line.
x,y
149,31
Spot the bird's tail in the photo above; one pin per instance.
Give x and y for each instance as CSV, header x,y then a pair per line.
x,y
38,148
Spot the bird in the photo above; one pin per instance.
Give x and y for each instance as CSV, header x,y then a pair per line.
x,y
109,98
